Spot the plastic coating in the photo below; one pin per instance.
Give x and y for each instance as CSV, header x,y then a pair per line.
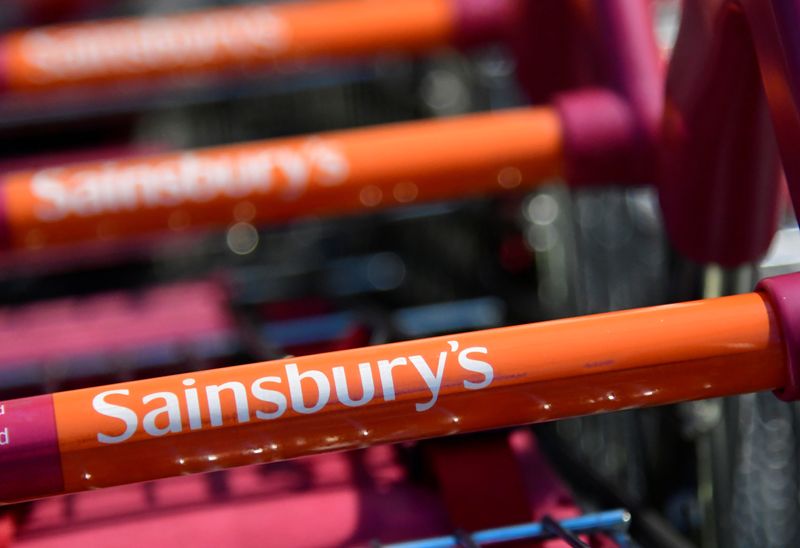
x,y
284,179
169,426
234,38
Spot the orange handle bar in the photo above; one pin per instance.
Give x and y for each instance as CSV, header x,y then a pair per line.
x,y
148,429
243,37
278,180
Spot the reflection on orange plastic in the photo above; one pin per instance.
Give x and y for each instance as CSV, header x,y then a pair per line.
x,y
243,37
201,421
278,180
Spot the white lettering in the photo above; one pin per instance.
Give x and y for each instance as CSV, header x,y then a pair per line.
x,y
385,370
171,408
296,171
476,366
155,44
255,171
239,398
433,382
190,177
295,380
309,391
192,405
367,385
126,415
270,396
332,166
45,186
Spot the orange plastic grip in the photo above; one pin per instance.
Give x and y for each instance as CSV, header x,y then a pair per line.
x,y
196,422
269,181
228,38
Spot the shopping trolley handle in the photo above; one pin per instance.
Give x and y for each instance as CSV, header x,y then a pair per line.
x,y
611,126
783,293
605,49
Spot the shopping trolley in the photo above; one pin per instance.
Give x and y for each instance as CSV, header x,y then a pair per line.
x,y
694,350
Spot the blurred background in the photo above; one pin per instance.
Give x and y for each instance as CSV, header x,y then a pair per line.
x,y
709,473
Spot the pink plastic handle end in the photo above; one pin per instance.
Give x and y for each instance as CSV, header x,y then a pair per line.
x,y
783,293
30,462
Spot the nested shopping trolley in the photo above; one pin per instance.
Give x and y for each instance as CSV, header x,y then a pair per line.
x,y
156,428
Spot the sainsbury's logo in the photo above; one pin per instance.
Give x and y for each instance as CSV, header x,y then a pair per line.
x,y
153,44
236,172
287,389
